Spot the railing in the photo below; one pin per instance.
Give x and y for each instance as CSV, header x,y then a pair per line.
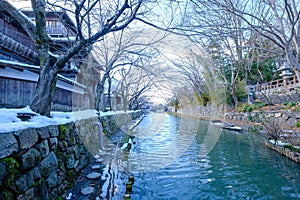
x,y
277,84
59,30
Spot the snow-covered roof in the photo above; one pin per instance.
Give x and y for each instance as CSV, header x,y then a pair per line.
x,y
28,73
63,39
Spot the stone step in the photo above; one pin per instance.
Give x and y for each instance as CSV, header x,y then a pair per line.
x,y
93,175
96,166
87,190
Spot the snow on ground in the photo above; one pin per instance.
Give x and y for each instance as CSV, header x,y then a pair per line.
x,y
10,122
280,143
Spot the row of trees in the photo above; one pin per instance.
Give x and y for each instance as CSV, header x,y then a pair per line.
x,y
242,42
101,27
238,43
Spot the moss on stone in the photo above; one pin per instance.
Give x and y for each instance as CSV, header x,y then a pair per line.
x,y
59,198
38,188
59,154
62,131
72,139
12,168
11,162
7,194
71,177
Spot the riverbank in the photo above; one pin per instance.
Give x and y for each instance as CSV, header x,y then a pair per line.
x,y
103,178
42,157
243,124
286,140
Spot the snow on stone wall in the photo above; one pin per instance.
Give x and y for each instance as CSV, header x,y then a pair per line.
x,y
43,162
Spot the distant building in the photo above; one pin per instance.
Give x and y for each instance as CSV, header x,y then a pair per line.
x,y
111,98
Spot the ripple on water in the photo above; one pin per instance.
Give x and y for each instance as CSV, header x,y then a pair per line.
x,y
167,165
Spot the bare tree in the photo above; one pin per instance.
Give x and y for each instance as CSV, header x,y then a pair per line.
x,y
223,35
192,70
111,16
125,48
138,79
279,21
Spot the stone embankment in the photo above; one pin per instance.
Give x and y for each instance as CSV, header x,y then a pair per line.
x,y
287,139
42,163
286,120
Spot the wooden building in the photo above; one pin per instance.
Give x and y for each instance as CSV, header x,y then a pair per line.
x,y
19,63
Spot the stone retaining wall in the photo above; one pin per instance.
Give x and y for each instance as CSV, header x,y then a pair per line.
x,y
287,118
295,156
291,94
42,163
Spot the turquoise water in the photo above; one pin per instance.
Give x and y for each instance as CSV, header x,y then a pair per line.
x,y
179,158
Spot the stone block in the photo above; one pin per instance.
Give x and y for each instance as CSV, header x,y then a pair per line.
x,y
43,133
63,145
30,159
27,138
53,143
25,182
297,115
8,145
52,180
77,151
54,132
3,170
61,176
70,161
43,148
70,150
291,122
29,194
49,164
37,173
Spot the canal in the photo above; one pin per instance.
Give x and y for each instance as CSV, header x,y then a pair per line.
x,y
183,158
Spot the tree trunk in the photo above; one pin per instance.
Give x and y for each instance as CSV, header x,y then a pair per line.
x,y
45,89
235,100
234,97
109,93
99,92
125,95
297,74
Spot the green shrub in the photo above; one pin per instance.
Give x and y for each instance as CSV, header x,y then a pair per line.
x,y
297,124
250,107
290,104
259,105
245,108
296,109
291,147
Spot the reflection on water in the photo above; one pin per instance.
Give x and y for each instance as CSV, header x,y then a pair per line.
x,y
176,158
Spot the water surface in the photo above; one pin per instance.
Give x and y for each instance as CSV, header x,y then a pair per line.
x,y
180,158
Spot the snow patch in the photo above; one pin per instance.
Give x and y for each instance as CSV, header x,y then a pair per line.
x,y
9,121
279,143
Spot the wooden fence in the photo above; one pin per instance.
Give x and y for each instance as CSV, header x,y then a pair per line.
x,y
279,84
